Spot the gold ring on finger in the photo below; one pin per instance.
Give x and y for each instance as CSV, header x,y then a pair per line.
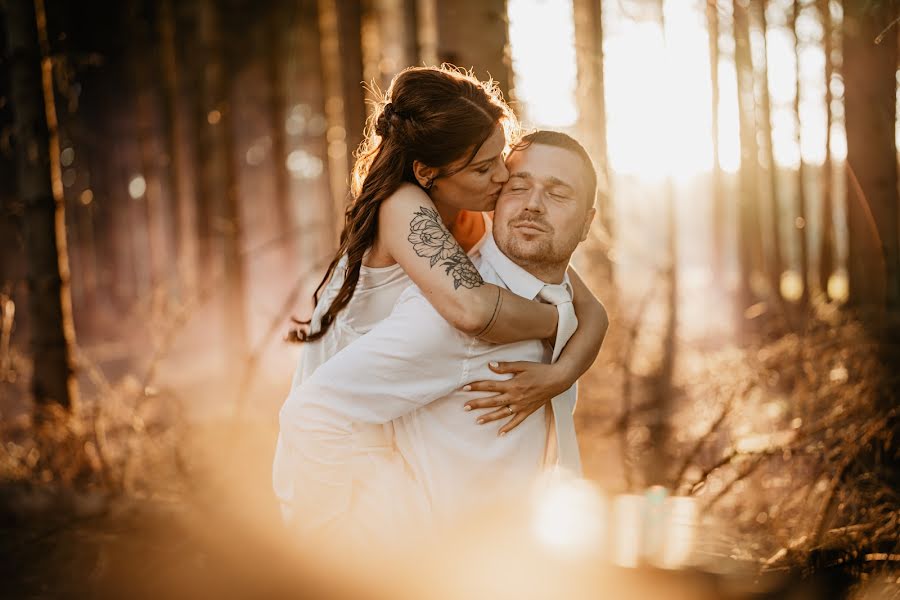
x,y
509,409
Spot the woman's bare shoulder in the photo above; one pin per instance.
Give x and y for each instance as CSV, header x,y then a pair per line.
x,y
405,196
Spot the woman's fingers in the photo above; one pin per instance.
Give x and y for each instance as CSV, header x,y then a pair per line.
x,y
489,402
509,367
497,414
488,386
516,420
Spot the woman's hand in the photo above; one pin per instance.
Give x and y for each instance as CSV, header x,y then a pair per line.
x,y
532,386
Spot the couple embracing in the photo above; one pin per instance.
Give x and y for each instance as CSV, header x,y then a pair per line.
x,y
439,365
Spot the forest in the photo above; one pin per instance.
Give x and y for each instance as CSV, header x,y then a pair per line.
x,y
173,182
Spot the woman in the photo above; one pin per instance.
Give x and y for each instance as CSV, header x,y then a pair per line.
x,y
435,149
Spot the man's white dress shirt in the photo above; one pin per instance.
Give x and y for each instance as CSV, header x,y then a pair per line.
x,y
408,372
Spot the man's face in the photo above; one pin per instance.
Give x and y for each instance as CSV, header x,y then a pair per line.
x,y
545,209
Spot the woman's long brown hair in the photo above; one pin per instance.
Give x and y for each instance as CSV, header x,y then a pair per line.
x,y
436,115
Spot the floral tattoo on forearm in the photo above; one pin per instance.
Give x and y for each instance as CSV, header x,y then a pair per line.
x,y
433,241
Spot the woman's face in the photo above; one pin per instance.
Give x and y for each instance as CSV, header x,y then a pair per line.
x,y
477,185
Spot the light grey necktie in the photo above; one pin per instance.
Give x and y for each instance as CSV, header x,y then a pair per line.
x,y
563,429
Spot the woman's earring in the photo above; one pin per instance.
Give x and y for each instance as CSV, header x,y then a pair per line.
x,y
428,184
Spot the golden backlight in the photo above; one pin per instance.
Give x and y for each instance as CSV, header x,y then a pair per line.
x,y
658,90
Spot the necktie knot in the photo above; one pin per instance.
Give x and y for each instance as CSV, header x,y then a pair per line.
x,y
555,294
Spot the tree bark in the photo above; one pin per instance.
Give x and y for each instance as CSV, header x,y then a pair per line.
x,y
475,34
339,24
208,187
179,203
592,123
717,184
826,244
44,222
223,168
151,202
776,258
318,220
349,16
749,250
800,228
870,65
277,115
663,389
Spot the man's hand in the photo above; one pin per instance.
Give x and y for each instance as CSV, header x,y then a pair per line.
x,y
532,386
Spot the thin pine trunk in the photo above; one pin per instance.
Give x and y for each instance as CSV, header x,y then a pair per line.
x,y
827,246
206,115
800,222
776,258
318,210
342,68
44,222
718,191
870,89
179,203
349,15
224,169
663,389
475,34
592,111
277,115
748,215
150,202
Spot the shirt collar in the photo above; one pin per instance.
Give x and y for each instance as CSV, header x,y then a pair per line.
x,y
518,280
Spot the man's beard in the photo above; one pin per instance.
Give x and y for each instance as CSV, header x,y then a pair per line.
x,y
541,251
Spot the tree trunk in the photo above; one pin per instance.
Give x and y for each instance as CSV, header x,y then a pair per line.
x,y
776,259
718,191
340,22
475,34
318,215
208,184
349,16
145,97
870,88
663,389
394,45
592,123
179,203
749,259
40,186
826,244
227,215
800,222
277,116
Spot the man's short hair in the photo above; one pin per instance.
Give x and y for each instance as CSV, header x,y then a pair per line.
x,y
562,140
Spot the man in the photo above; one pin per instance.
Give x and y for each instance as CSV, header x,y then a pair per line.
x,y
408,372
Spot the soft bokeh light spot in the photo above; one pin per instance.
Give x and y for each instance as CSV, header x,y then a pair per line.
x,y
304,165
86,197
570,516
137,187
791,286
67,156
839,286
